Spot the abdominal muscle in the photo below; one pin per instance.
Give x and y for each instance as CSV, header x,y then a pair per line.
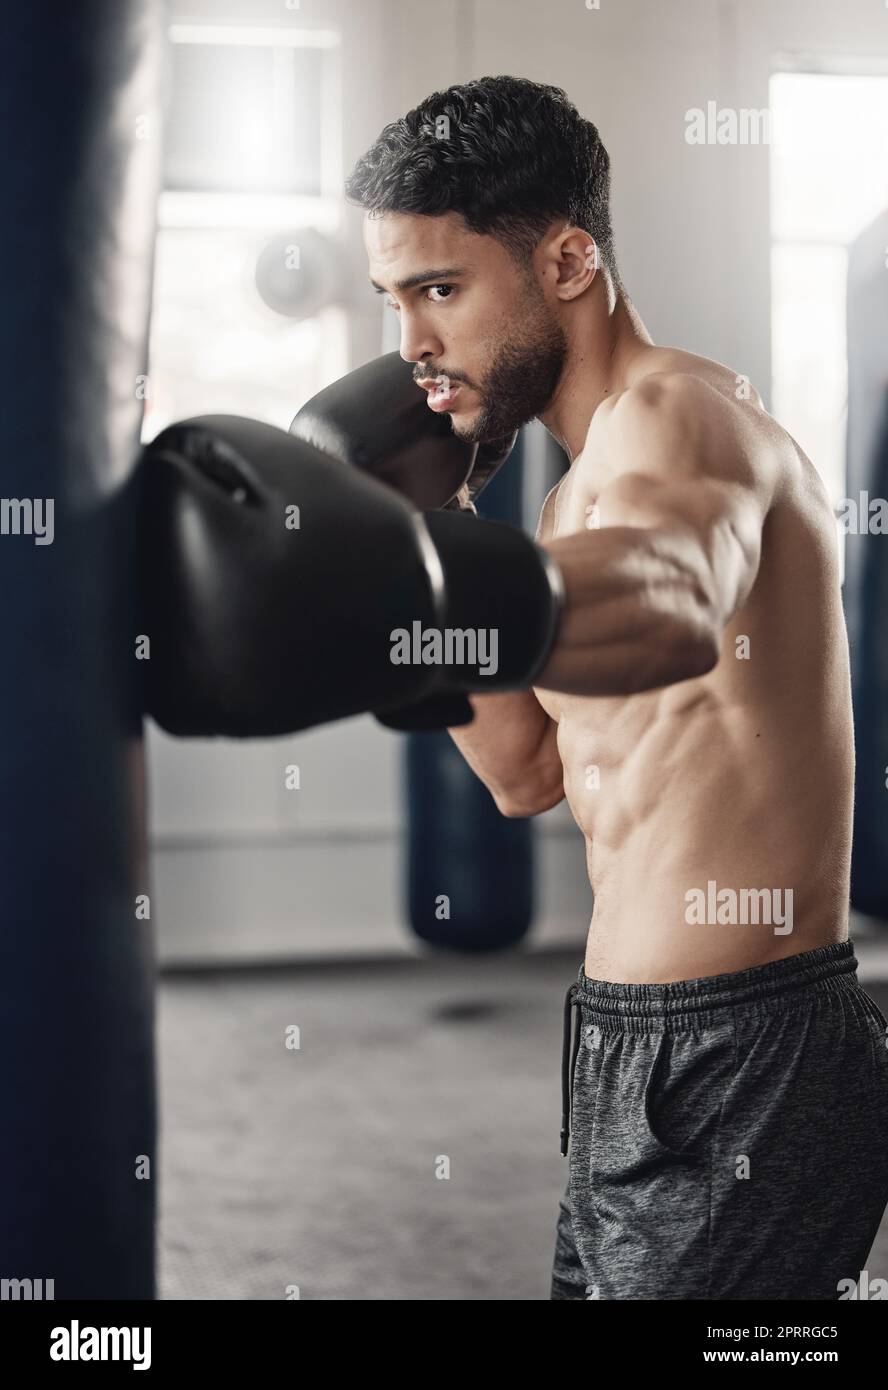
x,y
681,797
741,779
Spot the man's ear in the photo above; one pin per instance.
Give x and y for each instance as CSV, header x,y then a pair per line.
x,y
578,262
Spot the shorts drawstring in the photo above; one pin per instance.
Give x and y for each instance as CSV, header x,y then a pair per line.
x,y
568,1063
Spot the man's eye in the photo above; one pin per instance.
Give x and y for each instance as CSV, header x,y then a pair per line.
x,y
445,290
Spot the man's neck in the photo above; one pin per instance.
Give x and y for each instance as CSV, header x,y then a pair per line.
x,y
603,358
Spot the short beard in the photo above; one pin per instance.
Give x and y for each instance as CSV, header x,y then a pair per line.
x,y
522,380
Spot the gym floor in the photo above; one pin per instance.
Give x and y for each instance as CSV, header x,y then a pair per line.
x,y
316,1166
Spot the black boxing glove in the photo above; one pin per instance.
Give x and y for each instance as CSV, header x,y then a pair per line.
x,y
501,597
377,419
277,588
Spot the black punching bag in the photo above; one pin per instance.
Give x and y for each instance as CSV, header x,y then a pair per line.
x,y
470,877
78,169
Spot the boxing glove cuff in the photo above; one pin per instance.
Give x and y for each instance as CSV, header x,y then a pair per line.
x,y
492,577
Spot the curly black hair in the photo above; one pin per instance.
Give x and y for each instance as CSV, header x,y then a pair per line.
x,y
510,155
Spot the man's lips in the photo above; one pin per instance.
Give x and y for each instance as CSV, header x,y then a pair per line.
x,y
441,392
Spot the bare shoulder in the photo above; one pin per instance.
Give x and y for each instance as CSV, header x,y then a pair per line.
x,y
684,420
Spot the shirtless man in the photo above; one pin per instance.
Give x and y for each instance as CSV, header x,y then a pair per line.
x,y
726,1095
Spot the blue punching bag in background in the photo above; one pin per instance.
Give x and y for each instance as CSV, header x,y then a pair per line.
x,y
471,873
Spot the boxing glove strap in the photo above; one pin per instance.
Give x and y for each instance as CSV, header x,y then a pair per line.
x,y
496,578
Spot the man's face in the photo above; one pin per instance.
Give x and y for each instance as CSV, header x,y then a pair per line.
x,y
488,348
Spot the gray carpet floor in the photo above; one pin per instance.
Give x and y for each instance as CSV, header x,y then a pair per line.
x,y
315,1168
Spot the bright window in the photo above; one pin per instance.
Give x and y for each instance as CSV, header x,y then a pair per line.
x,y
252,158
829,179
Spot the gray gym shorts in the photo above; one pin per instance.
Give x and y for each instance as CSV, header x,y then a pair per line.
x,y
728,1135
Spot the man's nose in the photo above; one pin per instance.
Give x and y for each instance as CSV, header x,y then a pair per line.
x,y
418,345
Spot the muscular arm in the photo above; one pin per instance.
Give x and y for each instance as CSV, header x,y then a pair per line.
x,y
677,546
511,743
511,746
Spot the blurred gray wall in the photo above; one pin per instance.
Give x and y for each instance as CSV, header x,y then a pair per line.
x,y
244,868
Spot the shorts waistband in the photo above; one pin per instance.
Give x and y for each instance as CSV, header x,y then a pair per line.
x,y
808,971
643,1008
